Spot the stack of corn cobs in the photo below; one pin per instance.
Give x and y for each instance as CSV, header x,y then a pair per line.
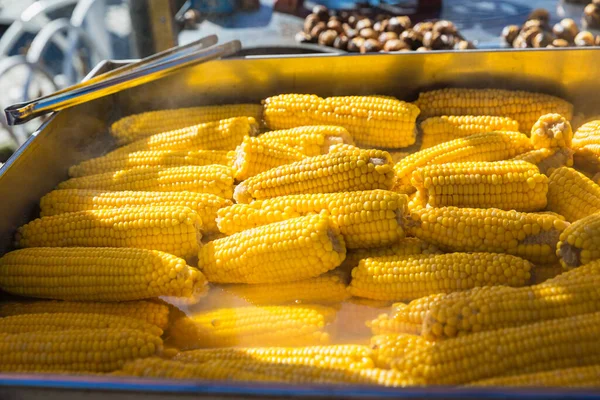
x,y
294,241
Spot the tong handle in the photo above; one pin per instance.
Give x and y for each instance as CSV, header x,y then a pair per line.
x,y
143,71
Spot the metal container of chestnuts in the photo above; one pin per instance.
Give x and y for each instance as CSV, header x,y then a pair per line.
x,y
355,33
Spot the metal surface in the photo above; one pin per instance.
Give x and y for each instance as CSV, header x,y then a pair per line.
x,y
154,67
78,133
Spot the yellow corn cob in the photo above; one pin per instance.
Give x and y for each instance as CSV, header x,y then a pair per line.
x,y
586,143
442,129
338,356
253,326
490,308
492,146
372,121
256,371
153,313
93,350
254,156
138,126
286,251
342,147
547,160
366,218
385,324
580,243
97,274
343,171
386,348
72,200
528,235
172,229
523,107
572,194
148,158
588,376
309,140
404,247
507,185
541,273
410,277
214,179
551,131
63,321
225,134
326,288
548,345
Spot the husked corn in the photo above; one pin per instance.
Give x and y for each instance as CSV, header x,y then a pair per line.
x,y
414,276
551,131
523,107
507,185
371,120
369,218
531,236
97,274
442,129
214,179
548,160
172,229
572,194
138,126
492,146
343,171
254,156
586,143
73,200
309,140
579,244
286,251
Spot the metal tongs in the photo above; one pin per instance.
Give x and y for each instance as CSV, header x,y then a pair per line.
x,y
125,77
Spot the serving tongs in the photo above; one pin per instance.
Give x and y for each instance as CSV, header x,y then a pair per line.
x,y
146,70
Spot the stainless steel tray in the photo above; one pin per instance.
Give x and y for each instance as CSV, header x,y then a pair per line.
x,y
75,134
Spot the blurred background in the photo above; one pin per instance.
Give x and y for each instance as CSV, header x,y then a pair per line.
x,y
47,45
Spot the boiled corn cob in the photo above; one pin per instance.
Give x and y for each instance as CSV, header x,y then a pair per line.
x,y
342,171
586,143
404,247
490,308
257,371
588,376
225,134
309,140
442,129
372,121
548,345
172,229
572,194
153,313
138,126
523,107
286,251
326,288
72,200
580,243
547,160
254,156
253,326
92,350
541,273
410,277
336,356
551,131
528,235
342,147
507,185
369,218
97,274
493,146
63,321
148,158
386,348
214,179
394,323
